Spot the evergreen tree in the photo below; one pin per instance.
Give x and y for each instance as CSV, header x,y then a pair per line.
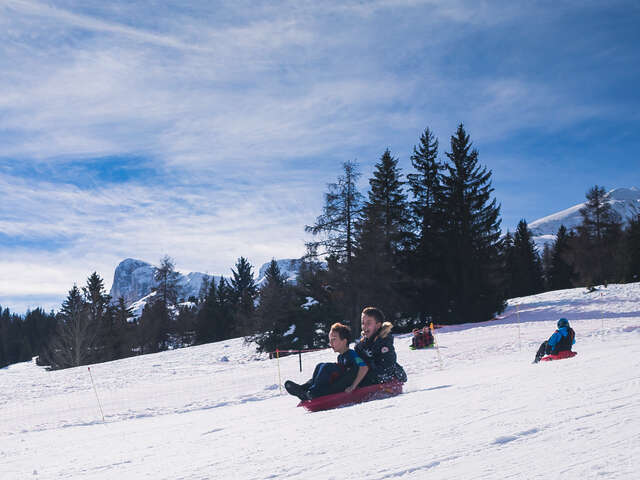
x,y
505,248
547,261
338,226
274,320
167,289
632,249
97,304
320,305
561,272
244,291
74,342
225,308
598,240
426,214
525,267
157,319
124,329
472,233
206,320
39,328
382,237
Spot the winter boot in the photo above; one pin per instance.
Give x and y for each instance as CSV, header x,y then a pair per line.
x,y
296,390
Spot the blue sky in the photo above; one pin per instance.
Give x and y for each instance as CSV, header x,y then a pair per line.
x,y
209,130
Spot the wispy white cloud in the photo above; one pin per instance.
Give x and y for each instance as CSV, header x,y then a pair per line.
x,y
244,110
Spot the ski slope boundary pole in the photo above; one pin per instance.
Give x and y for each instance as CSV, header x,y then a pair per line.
x,y
435,342
601,311
519,337
279,376
96,392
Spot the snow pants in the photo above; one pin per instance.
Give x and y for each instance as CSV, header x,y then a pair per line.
x,y
542,351
328,378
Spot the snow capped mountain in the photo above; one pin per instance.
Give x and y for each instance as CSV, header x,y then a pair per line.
x,y
624,201
134,281
289,267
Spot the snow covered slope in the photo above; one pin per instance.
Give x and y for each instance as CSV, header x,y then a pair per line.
x,y
216,412
625,201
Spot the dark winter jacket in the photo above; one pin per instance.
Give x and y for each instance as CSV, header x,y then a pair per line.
x,y
349,363
562,339
380,357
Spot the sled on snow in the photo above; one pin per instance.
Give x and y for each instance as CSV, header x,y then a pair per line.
x,y
559,356
359,395
422,348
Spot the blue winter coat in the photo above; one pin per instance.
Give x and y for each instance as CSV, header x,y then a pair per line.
x,y
562,339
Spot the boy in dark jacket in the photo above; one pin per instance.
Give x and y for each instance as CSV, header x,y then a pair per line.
x,y
562,339
376,349
343,375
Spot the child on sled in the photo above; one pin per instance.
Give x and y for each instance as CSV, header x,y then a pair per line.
x,y
342,376
561,340
377,350
422,338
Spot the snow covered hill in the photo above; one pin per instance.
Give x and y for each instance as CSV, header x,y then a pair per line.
x,y
216,411
625,201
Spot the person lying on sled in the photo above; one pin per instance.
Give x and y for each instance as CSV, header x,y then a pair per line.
x,y
376,349
422,338
342,376
562,339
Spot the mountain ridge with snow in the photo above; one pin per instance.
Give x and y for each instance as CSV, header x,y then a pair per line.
x,y
624,201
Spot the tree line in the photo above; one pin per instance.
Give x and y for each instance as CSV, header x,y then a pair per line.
x,y
424,247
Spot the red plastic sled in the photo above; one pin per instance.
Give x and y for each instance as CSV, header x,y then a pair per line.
x,y
359,395
559,356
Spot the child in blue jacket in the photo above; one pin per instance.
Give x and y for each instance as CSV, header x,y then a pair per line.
x,y
562,339
344,375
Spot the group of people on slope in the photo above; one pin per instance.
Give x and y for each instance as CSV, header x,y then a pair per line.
x,y
373,360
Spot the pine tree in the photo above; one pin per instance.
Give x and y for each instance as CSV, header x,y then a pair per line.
x,y
226,305
547,260
338,226
167,289
275,316
73,344
97,303
426,213
505,248
632,249
525,267
598,240
561,273
383,235
157,319
320,305
124,329
472,233
207,317
244,291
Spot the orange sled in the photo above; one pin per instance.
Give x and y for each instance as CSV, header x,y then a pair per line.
x,y
359,395
559,356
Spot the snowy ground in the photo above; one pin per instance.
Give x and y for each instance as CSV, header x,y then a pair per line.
x,y
216,412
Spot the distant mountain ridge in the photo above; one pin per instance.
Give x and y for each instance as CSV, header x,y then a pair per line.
x,y
624,201
134,281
